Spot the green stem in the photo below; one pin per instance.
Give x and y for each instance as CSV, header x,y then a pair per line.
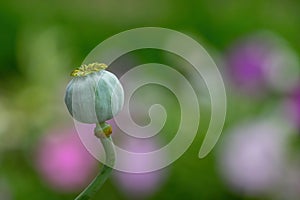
x,y
106,169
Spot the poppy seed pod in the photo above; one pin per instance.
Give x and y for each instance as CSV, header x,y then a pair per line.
x,y
94,95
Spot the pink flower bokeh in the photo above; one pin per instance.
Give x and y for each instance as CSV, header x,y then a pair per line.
x,y
252,157
63,162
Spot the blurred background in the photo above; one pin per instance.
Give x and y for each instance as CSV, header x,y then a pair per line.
x,y
256,47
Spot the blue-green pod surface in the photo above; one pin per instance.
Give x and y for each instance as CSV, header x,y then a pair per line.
x,y
94,95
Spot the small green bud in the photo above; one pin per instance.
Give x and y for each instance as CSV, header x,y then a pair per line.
x,y
94,95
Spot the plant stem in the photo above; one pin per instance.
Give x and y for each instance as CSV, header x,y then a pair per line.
x,y
106,168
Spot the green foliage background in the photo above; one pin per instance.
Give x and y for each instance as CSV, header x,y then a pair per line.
x,y
42,41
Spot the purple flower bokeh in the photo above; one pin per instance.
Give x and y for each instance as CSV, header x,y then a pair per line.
x,y
262,62
246,62
137,185
292,107
63,162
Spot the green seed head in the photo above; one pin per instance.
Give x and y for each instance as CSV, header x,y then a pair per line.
x,y
94,95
